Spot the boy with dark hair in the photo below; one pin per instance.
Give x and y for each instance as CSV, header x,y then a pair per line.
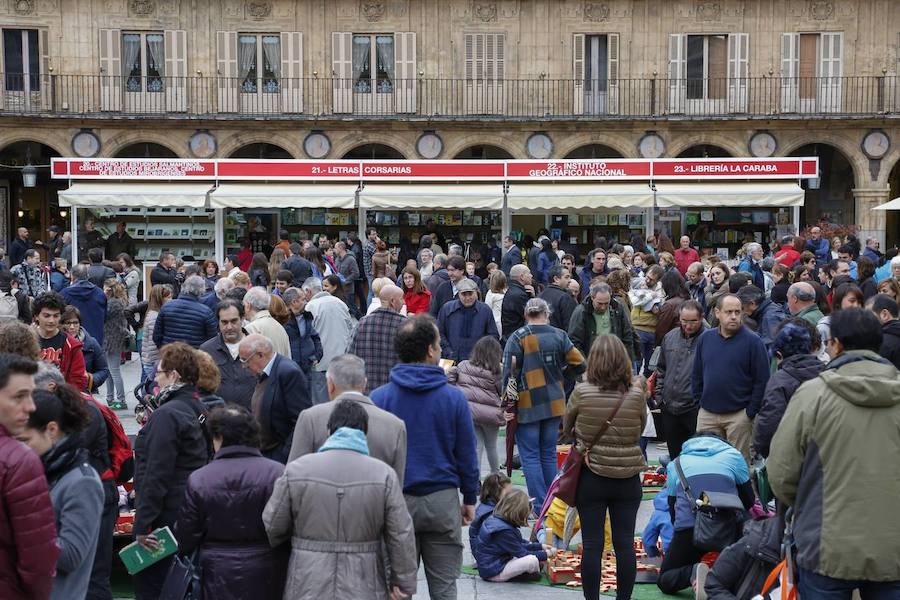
x,y
58,347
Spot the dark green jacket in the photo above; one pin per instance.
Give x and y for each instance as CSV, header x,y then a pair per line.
x,y
583,329
831,459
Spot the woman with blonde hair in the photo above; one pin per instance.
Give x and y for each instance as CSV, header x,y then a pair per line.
x,y
116,340
606,415
494,297
275,261
159,295
208,381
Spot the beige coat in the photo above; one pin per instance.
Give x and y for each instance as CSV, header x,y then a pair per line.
x,y
616,454
342,510
265,324
386,436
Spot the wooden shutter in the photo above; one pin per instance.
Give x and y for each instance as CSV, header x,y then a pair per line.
x,y
738,71
677,71
612,73
790,72
175,42
830,71
111,70
342,71
292,72
44,76
227,85
405,72
578,74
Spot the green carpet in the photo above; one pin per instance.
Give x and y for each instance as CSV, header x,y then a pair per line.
x,y
642,591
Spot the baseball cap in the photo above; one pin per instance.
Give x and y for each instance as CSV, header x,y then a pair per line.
x,y
55,229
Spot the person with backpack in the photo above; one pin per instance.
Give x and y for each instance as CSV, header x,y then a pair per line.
x,y
14,303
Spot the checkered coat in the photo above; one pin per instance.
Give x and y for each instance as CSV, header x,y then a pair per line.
x,y
374,343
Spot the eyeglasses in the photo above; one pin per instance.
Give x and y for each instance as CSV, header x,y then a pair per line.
x,y
71,322
163,371
244,361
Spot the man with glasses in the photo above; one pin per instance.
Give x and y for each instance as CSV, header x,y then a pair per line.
x,y
673,378
237,383
280,395
818,246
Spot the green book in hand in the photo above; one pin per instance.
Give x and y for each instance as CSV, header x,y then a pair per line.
x,y
137,558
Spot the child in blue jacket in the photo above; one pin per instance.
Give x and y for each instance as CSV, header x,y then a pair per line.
x,y
659,526
493,488
501,553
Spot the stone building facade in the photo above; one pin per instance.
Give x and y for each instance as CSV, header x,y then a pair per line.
x,y
456,79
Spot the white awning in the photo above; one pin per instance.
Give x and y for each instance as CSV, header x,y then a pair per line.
x,y
892,205
729,194
438,196
283,195
543,197
136,194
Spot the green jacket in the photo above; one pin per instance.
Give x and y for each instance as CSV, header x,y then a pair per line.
x,y
583,329
811,314
834,459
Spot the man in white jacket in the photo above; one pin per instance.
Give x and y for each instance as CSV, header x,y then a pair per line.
x,y
332,320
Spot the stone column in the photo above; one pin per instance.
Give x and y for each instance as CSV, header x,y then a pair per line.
x,y
872,223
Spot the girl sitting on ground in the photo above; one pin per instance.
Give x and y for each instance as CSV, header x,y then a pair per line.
x,y
493,488
501,553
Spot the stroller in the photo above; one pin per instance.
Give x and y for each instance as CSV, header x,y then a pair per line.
x,y
145,394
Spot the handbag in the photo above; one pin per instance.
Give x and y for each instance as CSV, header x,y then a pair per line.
x,y
571,467
183,579
717,515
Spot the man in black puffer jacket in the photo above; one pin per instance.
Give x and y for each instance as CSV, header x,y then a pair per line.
x,y
795,347
186,319
557,295
741,569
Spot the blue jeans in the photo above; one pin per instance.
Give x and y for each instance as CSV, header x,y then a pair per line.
x,y
537,449
648,343
148,372
820,587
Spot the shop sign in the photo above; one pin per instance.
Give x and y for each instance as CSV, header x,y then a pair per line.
x,y
125,168
735,168
288,170
595,170
434,170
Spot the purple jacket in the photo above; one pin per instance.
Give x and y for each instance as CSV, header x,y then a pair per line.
x,y
222,514
482,389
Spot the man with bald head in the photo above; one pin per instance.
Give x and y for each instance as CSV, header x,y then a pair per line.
x,y
19,246
281,394
801,301
374,341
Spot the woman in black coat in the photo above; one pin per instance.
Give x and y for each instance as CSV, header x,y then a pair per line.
x,y
741,569
222,513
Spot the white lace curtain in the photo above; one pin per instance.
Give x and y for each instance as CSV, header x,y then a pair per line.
x,y
131,58
362,72
384,47
271,45
247,62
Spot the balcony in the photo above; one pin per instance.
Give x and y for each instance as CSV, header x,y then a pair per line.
x,y
191,98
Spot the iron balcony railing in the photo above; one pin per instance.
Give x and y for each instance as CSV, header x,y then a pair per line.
x,y
449,99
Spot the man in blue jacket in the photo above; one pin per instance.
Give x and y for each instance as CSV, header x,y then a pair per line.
x,y
441,460
89,300
186,319
731,369
464,321
818,246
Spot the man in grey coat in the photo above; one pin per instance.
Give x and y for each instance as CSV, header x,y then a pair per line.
x,y
346,380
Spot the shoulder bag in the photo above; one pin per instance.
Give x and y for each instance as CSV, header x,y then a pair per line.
x,y
717,519
571,468
183,581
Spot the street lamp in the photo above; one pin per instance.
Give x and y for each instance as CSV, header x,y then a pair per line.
x,y
29,173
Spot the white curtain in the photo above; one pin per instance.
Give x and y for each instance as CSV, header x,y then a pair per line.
x,y
271,46
131,58
156,62
384,46
246,61
361,60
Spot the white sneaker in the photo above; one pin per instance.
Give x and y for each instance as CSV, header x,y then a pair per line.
x,y
699,582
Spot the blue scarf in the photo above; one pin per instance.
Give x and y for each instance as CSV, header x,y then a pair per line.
x,y
346,438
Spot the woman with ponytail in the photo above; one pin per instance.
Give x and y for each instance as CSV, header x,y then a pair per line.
x,y
75,489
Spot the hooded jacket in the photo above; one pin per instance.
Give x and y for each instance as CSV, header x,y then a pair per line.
x,y
482,389
498,543
742,568
828,462
91,303
482,513
95,363
768,316
673,372
440,434
71,362
710,465
792,372
659,527
890,346
583,328
77,497
462,327
28,548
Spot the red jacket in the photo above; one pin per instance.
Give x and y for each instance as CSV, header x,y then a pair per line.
x,y
245,257
28,549
417,303
684,259
787,255
71,363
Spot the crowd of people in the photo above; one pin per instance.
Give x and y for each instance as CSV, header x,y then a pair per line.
x,y
325,409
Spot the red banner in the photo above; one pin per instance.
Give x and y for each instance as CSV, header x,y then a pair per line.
x,y
595,170
138,168
292,170
735,168
435,170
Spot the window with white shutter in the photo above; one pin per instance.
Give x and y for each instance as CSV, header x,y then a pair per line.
x,y
811,72
176,69
595,66
227,71
485,70
292,71
405,72
110,70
